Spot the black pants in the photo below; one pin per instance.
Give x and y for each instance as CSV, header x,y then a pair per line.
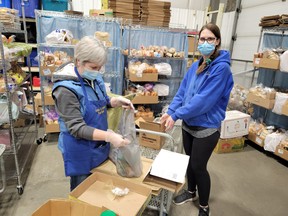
x,y
199,150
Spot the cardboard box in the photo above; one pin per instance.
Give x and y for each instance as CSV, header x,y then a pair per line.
x,y
139,99
102,12
230,145
147,180
151,140
146,77
52,128
256,139
192,46
281,152
266,63
96,191
285,109
235,124
48,100
64,207
37,100
260,101
47,70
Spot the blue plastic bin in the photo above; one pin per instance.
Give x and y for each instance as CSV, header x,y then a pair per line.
x,y
33,61
55,5
29,5
5,3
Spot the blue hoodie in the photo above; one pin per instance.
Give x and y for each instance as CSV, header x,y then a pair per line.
x,y
202,99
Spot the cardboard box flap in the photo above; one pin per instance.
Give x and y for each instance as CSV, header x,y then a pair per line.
x,y
163,183
170,165
154,126
65,207
108,167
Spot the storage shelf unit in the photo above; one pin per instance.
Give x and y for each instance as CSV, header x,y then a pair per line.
x,y
19,128
134,37
79,26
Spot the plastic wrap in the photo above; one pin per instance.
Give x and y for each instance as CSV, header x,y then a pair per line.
x,y
127,158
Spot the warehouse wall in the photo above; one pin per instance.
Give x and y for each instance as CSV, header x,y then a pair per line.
x,y
248,29
248,33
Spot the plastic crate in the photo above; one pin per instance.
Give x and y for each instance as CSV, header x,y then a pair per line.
x,y
29,6
55,5
5,3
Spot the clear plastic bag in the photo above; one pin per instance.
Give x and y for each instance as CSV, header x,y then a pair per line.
x,y
4,111
128,158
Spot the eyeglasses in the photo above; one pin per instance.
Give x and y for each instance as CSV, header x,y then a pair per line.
x,y
209,40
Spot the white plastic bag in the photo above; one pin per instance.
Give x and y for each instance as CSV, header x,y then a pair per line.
x,y
163,68
272,141
59,36
284,62
161,89
4,111
280,100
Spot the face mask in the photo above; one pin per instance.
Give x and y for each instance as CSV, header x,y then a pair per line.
x,y
206,48
90,74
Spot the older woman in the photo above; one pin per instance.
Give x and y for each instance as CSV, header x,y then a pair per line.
x,y
81,102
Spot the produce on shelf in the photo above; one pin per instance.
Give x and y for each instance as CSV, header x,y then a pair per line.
x,y
238,101
56,58
138,68
146,90
155,51
104,37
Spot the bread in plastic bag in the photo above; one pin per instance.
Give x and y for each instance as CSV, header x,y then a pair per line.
x,y
127,158
59,36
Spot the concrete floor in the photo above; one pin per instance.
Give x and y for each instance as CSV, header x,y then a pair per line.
x,y
247,183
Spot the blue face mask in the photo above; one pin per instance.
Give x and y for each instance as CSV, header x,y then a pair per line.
x,y
206,48
90,74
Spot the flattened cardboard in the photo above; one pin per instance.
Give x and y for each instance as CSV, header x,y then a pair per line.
x,y
65,207
96,190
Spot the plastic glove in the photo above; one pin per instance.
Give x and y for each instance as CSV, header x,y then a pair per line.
x,y
169,123
115,139
124,102
164,118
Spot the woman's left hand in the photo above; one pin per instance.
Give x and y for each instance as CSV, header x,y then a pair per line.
x,y
169,123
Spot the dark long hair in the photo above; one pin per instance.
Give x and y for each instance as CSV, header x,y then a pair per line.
x,y
216,31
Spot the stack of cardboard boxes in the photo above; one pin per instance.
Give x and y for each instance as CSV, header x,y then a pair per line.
x,y
158,13
146,12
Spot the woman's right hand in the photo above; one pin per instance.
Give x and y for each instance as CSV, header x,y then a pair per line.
x,y
115,139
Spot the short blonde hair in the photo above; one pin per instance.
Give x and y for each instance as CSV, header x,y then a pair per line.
x,y
90,49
